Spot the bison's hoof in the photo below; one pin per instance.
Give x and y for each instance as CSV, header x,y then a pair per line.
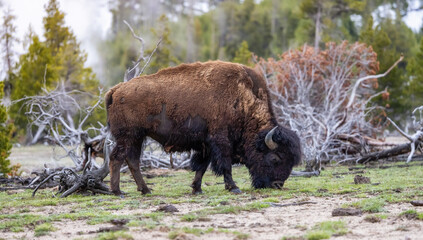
x,y
236,191
197,192
146,191
119,193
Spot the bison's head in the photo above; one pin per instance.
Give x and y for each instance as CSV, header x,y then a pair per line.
x,y
280,150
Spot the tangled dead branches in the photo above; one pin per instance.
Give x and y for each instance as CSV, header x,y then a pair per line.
x,y
325,97
90,179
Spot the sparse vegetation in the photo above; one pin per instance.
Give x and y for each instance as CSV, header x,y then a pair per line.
x,y
43,229
371,205
114,236
325,230
20,212
412,214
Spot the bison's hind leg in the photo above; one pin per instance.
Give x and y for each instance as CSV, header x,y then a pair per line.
x,y
116,159
199,163
133,160
128,148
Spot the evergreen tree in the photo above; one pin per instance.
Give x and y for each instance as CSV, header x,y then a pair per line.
x,y
7,40
243,55
414,87
163,57
58,59
325,15
36,68
65,49
5,145
390,39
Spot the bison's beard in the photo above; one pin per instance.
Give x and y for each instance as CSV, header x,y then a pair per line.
x,y
261,182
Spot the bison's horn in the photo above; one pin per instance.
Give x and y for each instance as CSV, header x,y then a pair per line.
x,y
269,141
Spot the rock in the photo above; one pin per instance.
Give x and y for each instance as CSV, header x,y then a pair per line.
x,y
417,203
372,219
119,222
346,212
167,208
358,179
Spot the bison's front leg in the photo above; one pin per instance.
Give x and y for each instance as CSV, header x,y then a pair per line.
x,y
199,164
221,160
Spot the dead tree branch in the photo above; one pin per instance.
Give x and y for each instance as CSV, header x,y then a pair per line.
x,y
324,96
56,111
135,71
410,148
90,179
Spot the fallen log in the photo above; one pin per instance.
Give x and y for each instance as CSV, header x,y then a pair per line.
x,y
398,150
304,174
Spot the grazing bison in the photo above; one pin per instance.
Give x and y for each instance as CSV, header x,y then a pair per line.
x,y
220,110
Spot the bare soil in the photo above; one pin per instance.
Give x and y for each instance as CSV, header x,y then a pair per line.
x,y
268,223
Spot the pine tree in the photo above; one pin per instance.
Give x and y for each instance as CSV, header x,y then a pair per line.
x,y
243,55
66,51
390,39
163,57
7,40
5,145
58,59
36,69
414,87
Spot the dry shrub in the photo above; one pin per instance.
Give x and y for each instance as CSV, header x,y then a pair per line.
x,y
313,94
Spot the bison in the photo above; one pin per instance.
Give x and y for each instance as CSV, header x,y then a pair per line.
x,y
220,110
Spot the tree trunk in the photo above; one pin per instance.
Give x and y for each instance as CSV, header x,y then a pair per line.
x,y
317,31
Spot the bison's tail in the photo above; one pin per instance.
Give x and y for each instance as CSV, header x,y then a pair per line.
x,y
108,99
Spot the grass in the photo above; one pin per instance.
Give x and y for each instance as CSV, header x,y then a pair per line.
x,y
412,214
43,229
371,205
325,230
20,212
122,235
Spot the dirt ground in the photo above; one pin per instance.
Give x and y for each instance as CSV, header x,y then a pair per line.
x,y
268,223
273,222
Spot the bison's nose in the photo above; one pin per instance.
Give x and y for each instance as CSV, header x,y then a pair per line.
x,y
277,184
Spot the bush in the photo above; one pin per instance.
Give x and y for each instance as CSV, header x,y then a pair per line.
x,y
5,145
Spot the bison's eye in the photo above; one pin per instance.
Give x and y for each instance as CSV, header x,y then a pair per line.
x,y
274,160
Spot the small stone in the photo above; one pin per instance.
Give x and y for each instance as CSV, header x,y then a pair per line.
x,y
119,222
167,208
346,212
358,179
372,219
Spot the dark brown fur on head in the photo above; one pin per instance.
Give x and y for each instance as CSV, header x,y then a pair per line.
x,y
220,110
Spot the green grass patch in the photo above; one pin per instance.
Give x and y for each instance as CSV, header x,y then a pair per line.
x,y
115,236
325,230
155,216
43,229
371,205
189,217
412,214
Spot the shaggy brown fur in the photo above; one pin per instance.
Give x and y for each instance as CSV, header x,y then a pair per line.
x,y
221,110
